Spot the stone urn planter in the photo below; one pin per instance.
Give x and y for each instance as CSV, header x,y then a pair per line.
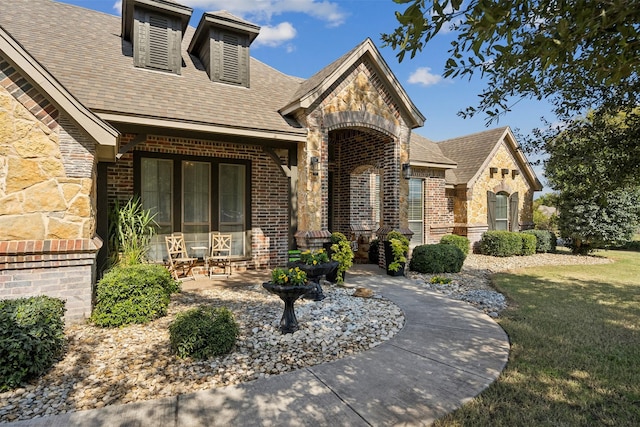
x,y
288,294
314,274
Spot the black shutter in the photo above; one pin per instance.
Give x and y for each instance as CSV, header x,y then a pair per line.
x,y
491,210
513,212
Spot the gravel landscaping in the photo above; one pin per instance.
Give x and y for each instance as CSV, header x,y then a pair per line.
x,y
122,365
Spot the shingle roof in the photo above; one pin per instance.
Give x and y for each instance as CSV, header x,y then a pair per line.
x,y
471,152
83,50
426,151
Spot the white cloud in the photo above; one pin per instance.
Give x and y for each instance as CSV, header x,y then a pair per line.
x,y
423,76
263,10
275,36
117,6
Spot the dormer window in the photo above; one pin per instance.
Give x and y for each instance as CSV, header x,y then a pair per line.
x,y
221,42
155,28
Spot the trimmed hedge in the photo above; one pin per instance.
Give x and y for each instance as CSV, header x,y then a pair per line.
x,y
438,258
31,338
545,240
500,243
133,294
528,244
460,242
203,332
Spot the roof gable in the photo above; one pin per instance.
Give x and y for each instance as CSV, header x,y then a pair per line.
x,y
104,135
314,88
83,49
474,153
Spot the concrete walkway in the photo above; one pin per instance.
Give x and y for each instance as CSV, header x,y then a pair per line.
x,y
446,354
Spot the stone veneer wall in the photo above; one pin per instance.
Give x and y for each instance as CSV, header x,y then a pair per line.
x,y
361,102
477,203
471,204
47,199
269,189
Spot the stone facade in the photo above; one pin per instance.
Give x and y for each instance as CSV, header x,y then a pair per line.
x,y
47,202
354,126
471,203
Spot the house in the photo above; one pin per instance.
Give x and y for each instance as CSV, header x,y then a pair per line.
x,y
96,108
469,185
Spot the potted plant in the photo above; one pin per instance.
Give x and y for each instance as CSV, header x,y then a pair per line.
x,y
342,253
315,264
396,248
289,284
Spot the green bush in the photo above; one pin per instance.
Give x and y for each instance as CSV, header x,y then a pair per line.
x,y
31,338
203,332
460,242
500,243
438,258
545,240
528,244
133,294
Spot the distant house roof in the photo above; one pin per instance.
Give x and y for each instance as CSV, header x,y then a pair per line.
x,y
83,49
474,152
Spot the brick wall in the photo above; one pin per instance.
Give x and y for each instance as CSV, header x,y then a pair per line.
x,y
269,188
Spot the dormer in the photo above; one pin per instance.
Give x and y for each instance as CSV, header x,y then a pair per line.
x,y
221,42
155,29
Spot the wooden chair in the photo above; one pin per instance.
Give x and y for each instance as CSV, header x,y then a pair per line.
x,y
220,252
179,259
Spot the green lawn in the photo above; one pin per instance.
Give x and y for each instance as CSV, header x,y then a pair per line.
x,y
575,348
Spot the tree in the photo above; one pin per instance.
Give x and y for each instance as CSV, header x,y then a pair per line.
x,y
593,213
582,56
592,221
582,53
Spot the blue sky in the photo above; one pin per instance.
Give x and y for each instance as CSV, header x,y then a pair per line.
x,y
300,37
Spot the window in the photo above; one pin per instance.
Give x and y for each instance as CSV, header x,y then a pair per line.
x,y
196,215
416,211
502,211
232,205
195,196
502,219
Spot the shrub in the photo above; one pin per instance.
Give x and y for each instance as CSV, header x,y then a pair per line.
x,y
545,240
133,294
203,332
374,252
131,228
460,242
337,237
399,248
342,253
528,244
500,243
438,258
31,338
440,280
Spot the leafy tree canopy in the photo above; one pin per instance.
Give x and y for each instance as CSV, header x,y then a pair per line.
x,y
579,54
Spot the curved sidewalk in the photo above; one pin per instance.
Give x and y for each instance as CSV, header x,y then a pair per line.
x,y
446,354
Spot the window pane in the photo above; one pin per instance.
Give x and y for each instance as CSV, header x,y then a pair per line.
x,y
501,211
195,191
157,195
156,189
232,185
415,200
416,217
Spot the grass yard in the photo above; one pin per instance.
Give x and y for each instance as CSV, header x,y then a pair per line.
x,y
575,355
